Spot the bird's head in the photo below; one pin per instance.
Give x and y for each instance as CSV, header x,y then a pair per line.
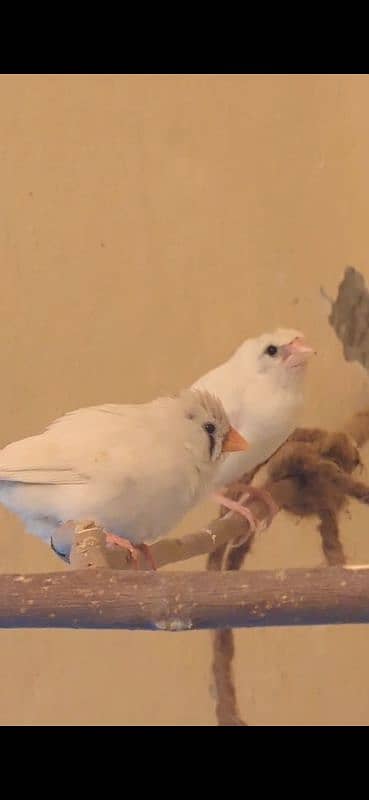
x,y
210,424
282,355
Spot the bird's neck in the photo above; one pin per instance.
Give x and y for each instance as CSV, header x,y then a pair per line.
x,y
292,380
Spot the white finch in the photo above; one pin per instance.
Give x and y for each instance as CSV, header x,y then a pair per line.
x,y
261,388
133,469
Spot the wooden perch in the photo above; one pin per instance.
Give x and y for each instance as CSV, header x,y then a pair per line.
x,y
105,598
89,549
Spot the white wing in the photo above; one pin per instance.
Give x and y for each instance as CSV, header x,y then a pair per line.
x,y
79,444
57,455
36,460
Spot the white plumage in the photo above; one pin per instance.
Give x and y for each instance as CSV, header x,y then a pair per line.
x,y
134,469
262,395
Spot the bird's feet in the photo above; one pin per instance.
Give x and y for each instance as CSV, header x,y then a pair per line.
x,y
236,506
257,493
147,552
112,540
118,541
249,493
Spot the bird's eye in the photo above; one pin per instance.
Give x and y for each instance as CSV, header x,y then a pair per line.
x,y
210,429
271,350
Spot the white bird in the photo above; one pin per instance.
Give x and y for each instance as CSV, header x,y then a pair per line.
x,y
133,469
261,388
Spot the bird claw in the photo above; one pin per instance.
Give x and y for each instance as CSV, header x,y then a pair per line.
x,y
237,507
112,540
258,493
147,552
252,492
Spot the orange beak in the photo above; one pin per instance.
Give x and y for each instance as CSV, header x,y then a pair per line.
x,y
297,352
233,442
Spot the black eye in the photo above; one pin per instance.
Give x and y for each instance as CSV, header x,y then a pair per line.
x,y
209,427
271,350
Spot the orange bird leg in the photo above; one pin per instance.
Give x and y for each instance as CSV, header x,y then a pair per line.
x,y
237,507
257,493
147,552
135,551
118,541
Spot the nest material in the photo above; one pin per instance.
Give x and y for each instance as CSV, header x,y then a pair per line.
x,y
313,476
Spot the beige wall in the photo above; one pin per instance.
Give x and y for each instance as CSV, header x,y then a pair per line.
x,y
148,225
